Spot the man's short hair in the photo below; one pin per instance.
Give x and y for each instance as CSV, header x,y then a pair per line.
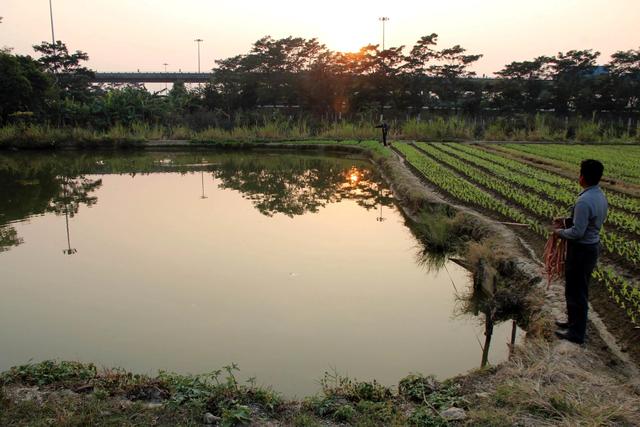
x,y
591,170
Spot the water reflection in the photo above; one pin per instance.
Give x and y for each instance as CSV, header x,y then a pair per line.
x,y
36,189
291,185
202,182
297,186
492,306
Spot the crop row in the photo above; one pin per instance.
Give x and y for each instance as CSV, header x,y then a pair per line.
x,y
460,188
620,219
620,162
613,242
616,200
621,291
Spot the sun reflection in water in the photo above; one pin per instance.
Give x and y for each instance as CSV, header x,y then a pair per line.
x,y
354,175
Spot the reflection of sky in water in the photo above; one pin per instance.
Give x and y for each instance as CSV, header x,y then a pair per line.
x,y
164,279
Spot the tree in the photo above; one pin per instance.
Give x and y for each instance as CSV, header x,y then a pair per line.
x,y
453,66
574,86
72,78
415,87
23,85
522,84
623,86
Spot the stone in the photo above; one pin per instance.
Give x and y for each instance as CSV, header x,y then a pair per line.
x,y
453,414
209,418
482,395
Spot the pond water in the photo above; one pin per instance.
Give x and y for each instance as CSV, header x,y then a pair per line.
x,y
288,265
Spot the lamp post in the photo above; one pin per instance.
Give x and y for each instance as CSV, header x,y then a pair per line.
x,y
165,71
198,41
53,40
383,19
53,36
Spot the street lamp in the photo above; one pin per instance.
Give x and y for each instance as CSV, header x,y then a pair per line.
x,y
53,40
53,36
198,41
383,19
165,71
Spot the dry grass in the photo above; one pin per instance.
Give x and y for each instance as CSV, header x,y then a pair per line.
x,y
557,384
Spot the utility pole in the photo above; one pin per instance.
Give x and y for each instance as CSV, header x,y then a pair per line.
x,y
198,41
383,19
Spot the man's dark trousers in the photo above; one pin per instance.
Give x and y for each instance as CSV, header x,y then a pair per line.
x,y
580,262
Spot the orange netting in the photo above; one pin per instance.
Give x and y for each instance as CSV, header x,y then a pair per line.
x,y
555,254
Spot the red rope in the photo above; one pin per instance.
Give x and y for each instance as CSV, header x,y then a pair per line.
x,y
555,254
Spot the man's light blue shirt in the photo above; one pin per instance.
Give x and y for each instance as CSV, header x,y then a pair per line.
x,y
589,214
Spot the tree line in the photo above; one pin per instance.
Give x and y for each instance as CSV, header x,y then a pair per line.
x,y
303,78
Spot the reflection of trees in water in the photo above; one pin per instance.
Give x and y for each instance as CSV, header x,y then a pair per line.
x,y
73,193
37,191
295,187
9,238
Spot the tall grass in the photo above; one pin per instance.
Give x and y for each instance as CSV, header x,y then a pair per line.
x,y
517,128
543,131
588,131
269,131
345,130
438,128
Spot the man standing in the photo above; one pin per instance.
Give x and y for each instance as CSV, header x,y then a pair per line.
x,y
583,246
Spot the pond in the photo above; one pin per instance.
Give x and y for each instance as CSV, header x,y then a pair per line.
x,y
289,265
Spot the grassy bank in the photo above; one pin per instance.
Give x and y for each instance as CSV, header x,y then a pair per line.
x,y
537,128
71,393
540,385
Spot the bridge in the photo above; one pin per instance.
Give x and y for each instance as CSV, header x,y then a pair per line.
x,y
137,77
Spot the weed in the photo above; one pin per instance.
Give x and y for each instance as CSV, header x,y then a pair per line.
x,y
416,387
336,385
49,372
237,414
305,420
344,414
424,416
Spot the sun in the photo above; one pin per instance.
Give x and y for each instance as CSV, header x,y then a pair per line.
x,y
348,40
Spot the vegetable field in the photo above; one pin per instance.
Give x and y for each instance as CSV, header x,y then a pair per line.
x,y
533,183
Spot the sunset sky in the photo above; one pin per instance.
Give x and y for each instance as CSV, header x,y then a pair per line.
x,y
121,35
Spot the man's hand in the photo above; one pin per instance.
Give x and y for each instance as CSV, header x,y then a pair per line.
x,y
554,229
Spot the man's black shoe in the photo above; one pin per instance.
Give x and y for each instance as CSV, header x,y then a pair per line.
x,y
568,337
562,325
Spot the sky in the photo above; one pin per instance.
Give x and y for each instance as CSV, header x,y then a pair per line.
x,y
130,35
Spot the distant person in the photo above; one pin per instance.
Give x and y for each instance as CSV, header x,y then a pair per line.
x,y
385,129
582,232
